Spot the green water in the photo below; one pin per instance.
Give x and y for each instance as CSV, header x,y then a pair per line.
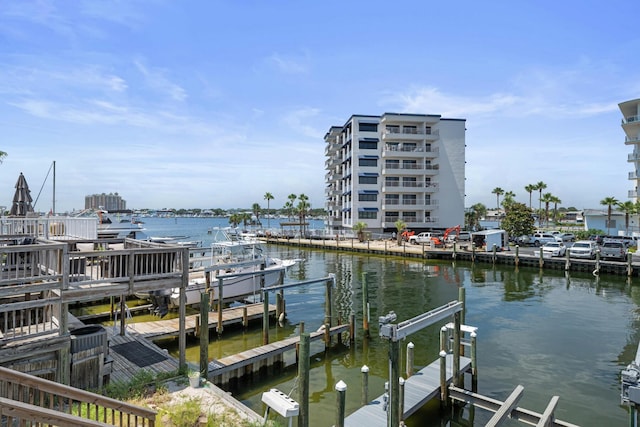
x,y
554,334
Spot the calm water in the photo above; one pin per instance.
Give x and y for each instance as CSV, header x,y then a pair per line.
x,y
555,335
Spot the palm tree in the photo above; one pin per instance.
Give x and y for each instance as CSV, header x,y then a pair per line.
x,y
359,228
555,200
292,199
546,198
235,219
540,186
629,208
498,192
609,201
400,226
268,197
508,200
529,188
303,207
477,212
255,208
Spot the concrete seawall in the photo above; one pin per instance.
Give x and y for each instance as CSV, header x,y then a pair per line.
x,y
462,252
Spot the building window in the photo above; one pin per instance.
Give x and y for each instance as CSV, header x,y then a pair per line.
x,y
392,181
392,199
393,129
367,179
367,215
410,129
368,127
367,197
392,164
367,162
409,199
368,145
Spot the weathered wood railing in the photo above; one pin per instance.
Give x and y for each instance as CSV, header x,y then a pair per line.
x,y
27,398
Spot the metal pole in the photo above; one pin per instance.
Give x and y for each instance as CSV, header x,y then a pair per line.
x,y
303,377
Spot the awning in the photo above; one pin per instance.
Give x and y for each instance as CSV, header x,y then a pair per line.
x,y
367,209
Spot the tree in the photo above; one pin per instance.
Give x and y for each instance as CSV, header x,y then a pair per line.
x,y
268,197
629,208
479,211
255,208
359,228
519,220
508,200
235,220
498,192
540,186
400,226
546,198
555,200
609,202
303,207
529,188
292,200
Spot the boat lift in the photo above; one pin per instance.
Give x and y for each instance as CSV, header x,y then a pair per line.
x,y
396,332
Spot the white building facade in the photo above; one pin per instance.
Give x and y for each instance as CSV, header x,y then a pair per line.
x,y
631,126
408,167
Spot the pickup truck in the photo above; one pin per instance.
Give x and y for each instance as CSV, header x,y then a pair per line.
x,y
613,249
426,237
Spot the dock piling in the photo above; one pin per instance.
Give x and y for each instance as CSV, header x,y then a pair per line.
x,y
341,389
443,380
474,364
409,368
365,304
365,384
204,334
401,403
303,377
219,326
265,318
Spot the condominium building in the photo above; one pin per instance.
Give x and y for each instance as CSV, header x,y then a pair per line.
x,y
631,126
110,202
408,167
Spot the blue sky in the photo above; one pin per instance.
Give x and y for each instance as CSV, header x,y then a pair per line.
x,y
203,104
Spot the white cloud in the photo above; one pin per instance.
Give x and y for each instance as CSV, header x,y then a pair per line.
x,y
289,64
300,121
156,79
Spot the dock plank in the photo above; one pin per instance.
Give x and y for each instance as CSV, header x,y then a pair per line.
x,y
421,387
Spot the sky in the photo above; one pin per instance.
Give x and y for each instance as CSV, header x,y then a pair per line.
x,y
212,104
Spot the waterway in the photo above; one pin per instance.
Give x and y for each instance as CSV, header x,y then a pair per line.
x,y
552,333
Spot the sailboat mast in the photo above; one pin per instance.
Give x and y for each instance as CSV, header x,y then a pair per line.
x,y
54,188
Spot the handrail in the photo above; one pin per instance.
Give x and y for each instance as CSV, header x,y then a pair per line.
x,y
20,387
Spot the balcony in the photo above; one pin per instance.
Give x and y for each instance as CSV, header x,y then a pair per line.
x,y
631,140
633,194
634,175
402,187
633,157
631,120
411,134
402,169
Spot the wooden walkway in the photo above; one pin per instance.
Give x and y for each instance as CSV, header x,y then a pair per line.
x,y
418,390
159,329
239,361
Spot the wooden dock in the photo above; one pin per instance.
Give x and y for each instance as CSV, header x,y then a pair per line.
x,y
160,329
418,390
221,371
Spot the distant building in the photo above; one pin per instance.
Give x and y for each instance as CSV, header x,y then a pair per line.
x,y
631,126
109,202
408,167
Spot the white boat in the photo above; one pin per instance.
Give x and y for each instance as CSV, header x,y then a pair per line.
x,y
115,224
225,252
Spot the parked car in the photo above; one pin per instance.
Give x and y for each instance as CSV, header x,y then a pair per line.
x,y
613,249
598,238
464,236
583,249
553,249
568,237
541,238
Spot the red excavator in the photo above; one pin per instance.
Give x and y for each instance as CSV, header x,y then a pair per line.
x,y
440,241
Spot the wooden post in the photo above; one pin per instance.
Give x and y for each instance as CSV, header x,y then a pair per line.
x,y
123,316
567,261
278,305
456,349
597,270
182,334
283,312
454,250
540,257
394,385
204,334
409,368
443,380
352,328
443,340
365,304
629,264
341,388
473,252
517,258
303,377
474,363
327,336
365,384
462,298
401,399
328,312
265,317
300,332
220,299
493,257
245,317
196,333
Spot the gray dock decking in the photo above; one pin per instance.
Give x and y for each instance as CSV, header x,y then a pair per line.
x,y
421,387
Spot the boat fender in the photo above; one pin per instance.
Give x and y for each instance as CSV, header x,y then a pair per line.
x,y
281,318
596,272
321,328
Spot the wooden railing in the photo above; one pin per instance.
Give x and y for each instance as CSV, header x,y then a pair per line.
x,y
25,398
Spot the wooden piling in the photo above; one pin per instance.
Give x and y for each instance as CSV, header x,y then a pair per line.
x,y
629,264
401,399
204,334
456,349
219,326
409,367
303,378
540,257
473,252
245,317
328,299
567,262
394,374
196,333
443,339
352,328
341,389
494,256
278,305
517,257
443,380
265,317
365,384
365,305
474,363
